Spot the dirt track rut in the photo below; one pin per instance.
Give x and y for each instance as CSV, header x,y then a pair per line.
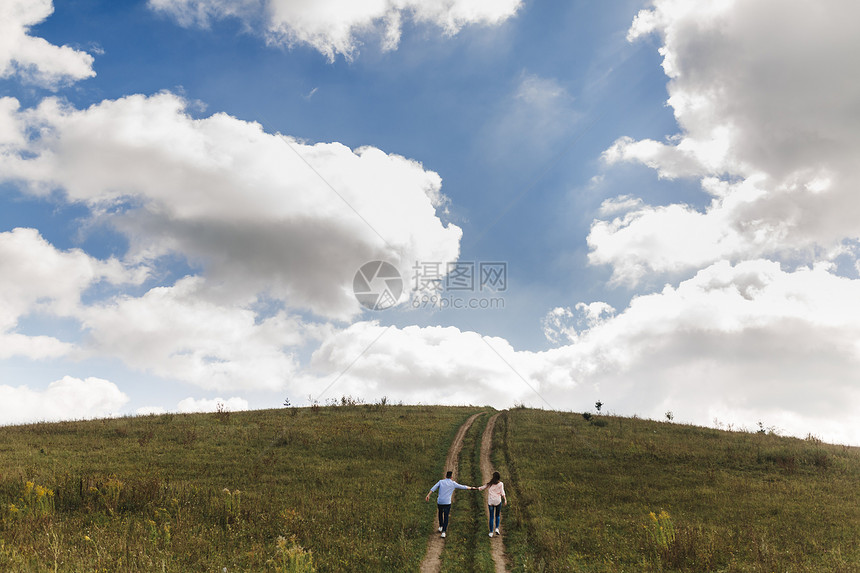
x,y
497,548
432,559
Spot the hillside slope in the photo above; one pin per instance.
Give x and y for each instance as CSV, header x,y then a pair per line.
x,y
637,495
342,489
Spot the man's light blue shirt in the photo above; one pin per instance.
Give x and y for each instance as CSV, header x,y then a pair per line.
x,y
446,488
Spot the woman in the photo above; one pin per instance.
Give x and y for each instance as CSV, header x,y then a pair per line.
x,y
495,495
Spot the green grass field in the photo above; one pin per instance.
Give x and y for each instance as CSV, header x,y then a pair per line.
x,y
342,489
583,496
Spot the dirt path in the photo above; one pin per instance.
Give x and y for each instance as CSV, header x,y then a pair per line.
x,y
497,548
432,559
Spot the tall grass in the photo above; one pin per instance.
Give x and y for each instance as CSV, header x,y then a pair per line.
x,y
636,495
312,489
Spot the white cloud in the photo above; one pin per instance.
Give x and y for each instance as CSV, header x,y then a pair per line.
x,y
745,343
258,212
676,238
433,365
12,127
193,405
263,216
565,324
198,405
749,339
33,59
767,115
670,161
36,347
335,26
557,325
617,205
37,278
150,411
766,103
66,399
181,333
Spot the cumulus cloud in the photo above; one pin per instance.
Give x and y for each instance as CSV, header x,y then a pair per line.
x,y
194,405
335,26
259,212
260,217
767,123
749,339
150,411
66,399
36,278
743,343
563,324
434,365
33,59
198,405
766,106
675,239
180,332
557,325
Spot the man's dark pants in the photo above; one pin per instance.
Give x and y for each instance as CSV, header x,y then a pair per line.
x,y
444,510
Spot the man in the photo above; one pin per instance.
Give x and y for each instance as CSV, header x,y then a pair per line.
x,y
446,489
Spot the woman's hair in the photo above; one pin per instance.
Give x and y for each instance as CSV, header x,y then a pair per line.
x,y
496,479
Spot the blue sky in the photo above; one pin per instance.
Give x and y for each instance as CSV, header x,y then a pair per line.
x,y
189,186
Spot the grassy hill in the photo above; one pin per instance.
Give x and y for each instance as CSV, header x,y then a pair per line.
x,y
620,494
342,489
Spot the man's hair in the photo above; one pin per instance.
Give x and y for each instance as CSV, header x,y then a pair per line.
x,y
449,474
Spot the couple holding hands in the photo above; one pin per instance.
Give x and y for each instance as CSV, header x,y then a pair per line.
x,y
446,487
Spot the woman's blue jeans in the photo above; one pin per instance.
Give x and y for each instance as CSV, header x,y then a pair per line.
x,y
497,511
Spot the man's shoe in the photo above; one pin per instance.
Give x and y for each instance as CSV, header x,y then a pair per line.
x,y
497,531
443,534
440,530
491,534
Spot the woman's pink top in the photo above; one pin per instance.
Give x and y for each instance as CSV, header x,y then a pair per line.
x,y
495,493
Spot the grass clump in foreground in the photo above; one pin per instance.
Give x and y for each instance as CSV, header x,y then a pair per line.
x,y
310,489
640,496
